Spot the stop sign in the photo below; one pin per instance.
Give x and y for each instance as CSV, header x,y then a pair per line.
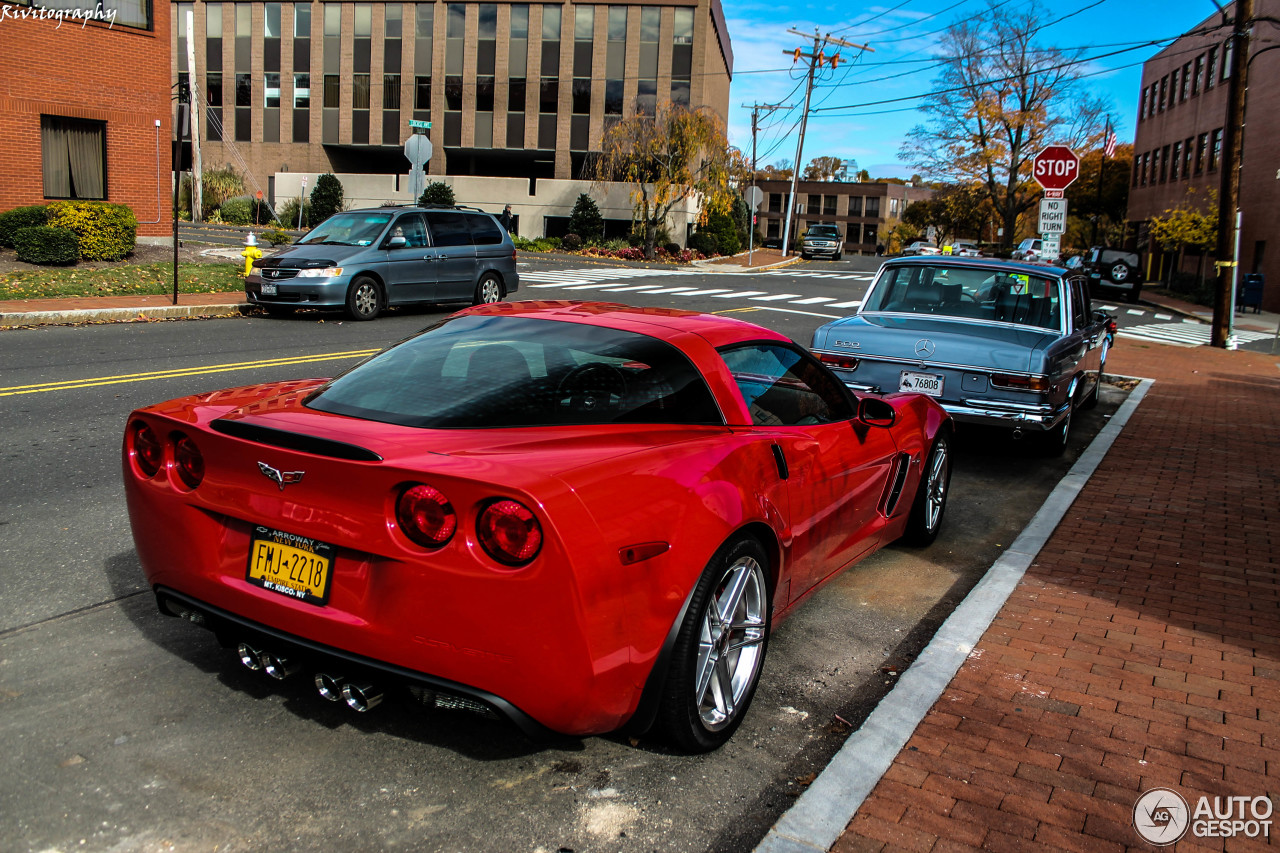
x,y
1056,167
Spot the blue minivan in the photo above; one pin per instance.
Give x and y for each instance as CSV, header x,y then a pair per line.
x,y
366,260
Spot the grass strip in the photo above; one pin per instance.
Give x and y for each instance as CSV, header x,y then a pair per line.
x,y
120,281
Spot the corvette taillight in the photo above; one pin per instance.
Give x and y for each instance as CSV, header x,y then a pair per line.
x,y
148,453
509,532
426,516
189,461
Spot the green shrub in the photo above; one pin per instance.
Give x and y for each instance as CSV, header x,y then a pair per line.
x,y
107,232
670,248
326,198
725,229
275,237
21,217
705,242
571,242
287,213
585,220
437,192
216,186
237,211
41,244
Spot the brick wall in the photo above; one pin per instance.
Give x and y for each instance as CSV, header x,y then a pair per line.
x,y
114,74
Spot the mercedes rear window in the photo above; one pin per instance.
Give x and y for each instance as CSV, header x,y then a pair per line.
x,y
476,371
973,293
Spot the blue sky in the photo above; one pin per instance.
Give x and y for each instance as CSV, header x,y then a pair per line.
x,y
904,35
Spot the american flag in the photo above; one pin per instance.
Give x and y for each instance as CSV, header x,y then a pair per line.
x,y
1110,146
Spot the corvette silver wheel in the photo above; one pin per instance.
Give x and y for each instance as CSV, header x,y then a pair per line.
x,y
730,649
931,495
719,650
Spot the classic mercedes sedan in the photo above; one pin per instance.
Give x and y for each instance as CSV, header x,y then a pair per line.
x,y
994,342
579,516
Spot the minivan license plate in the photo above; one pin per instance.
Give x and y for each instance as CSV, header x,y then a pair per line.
x,y
268,288
921,383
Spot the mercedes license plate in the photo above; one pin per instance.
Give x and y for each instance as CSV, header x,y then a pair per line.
x,y
921,383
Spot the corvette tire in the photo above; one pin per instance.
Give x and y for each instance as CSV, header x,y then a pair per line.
x,y
931,495
719,652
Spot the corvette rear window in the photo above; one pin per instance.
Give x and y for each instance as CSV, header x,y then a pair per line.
x,y
474,372
973,293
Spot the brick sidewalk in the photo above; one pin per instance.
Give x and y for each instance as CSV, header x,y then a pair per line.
x,y
1141,649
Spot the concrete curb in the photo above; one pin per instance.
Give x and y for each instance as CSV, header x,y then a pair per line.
x,y
119,315
713,266
820,816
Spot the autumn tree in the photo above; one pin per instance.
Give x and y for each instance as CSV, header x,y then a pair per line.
x,y
668,158
1001,97
1193,224
826,168
956,210
1110,207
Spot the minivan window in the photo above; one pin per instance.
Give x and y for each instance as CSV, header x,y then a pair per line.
x,y
484,230
348,229
448,228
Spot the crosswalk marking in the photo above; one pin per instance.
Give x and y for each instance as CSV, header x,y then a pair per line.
x,y
775,297
1136,312
706,292
670,290
1164,316
813,300
621,287
854,304
738,294
1183,334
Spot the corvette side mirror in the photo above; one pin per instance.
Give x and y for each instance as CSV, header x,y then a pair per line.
x,y
875,412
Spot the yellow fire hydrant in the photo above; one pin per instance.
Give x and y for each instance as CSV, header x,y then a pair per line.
x,y
251,253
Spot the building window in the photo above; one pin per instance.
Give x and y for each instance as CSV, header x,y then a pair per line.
x,y
1142,103
422,61
584,32
682,56
391,91
1226,59
873,207
775,202
893,208
1137,169
213,97
647,92
1146,167
869,234
332,88
855,205
1173,87
853,233
1186,83
1202,143
1215,149
1164,90
1198,80
421,93
74,153
1175,161
1186,159
271,90
828,205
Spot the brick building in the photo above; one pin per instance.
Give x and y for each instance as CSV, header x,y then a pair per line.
x,y
862,211
85,107
1182,111
512,90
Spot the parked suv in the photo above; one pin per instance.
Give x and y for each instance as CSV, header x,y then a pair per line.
x,y
1114,268
822,240
366,260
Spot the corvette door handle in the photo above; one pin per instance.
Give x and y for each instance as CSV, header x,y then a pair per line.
x,y
781,460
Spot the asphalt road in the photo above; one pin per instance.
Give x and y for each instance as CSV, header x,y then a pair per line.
x,y
129,731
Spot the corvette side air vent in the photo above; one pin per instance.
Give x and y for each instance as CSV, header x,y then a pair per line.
x,y
902,465
294,441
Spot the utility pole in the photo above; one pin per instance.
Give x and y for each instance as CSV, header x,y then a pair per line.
x,y
1229,193
755,121
815,60
197,172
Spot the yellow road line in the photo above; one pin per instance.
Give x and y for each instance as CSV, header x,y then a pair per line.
x,y
71,384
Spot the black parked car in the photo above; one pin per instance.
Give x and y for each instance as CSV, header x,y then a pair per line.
x,y
1114,269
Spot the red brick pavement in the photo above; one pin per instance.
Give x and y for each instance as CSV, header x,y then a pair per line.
x,y
1141,649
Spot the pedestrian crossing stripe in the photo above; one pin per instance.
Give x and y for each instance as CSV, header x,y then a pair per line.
x,y
1183,334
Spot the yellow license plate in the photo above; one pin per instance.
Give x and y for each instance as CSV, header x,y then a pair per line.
x,y
295,566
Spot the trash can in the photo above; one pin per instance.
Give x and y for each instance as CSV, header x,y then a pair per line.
x,y
1250,295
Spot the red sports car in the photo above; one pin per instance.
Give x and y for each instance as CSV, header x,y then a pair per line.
x,y
579,516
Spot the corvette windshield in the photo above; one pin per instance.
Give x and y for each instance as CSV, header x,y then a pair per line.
x,y
473,372
972,293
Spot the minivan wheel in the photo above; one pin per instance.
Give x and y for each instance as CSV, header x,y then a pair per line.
x,y
364,299
488,290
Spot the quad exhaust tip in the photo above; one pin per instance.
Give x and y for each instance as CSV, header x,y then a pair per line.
x,y
250,657
278,667
330,686
361,697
